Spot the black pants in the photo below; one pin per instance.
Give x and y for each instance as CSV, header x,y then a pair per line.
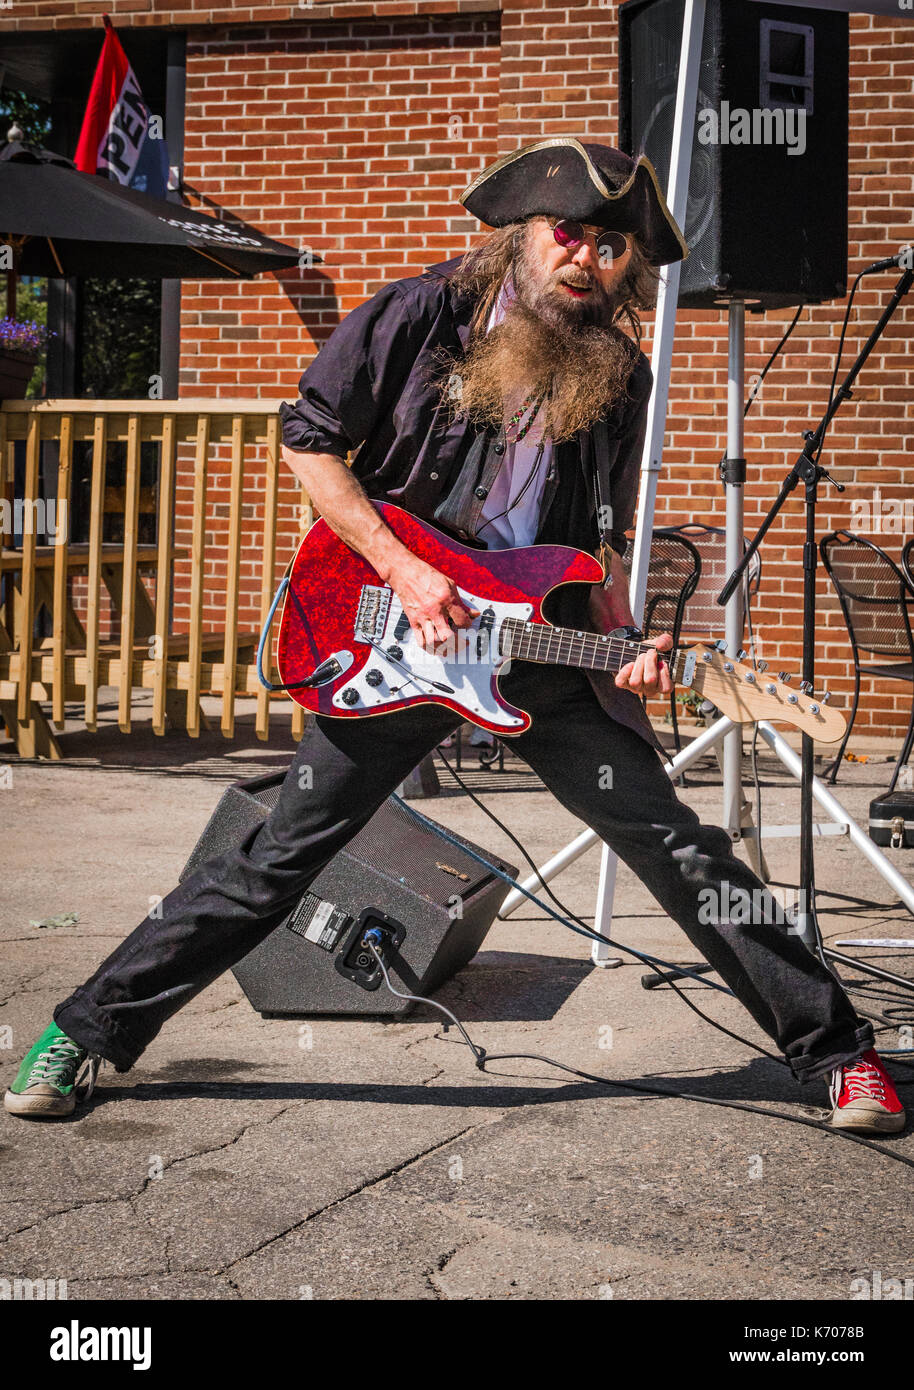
x,y
344,769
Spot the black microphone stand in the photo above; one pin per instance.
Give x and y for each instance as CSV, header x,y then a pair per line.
x,y
808,471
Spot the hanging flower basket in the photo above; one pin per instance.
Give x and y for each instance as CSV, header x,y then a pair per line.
x,y
20,345
16,370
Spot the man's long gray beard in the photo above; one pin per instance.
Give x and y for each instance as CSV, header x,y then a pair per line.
x,y
550,345
580,369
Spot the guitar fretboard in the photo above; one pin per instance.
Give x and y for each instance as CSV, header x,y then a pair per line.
x,y
566,646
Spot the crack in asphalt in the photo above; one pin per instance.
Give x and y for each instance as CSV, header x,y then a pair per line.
x,y
415,1042
440,1264
129,1197
36,936
76,928
22,986
369,1182
217,1148
406,1045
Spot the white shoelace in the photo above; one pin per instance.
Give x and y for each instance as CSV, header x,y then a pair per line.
x,y
51,1066
94,1063
863,1082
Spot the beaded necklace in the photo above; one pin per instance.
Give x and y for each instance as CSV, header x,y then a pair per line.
x,y
531,401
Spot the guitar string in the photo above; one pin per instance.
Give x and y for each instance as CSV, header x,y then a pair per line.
x,y
593,644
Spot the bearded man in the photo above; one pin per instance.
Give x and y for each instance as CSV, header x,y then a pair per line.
x,y
503,397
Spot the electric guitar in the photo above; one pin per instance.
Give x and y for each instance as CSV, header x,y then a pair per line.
x,y
346,647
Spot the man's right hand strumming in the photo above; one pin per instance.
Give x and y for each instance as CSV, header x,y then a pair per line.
x,y
430,600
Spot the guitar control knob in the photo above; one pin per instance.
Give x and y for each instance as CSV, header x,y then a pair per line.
x,y
350,696
374,678
395,653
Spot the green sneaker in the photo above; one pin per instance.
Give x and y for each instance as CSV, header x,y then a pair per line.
x,y
47,1080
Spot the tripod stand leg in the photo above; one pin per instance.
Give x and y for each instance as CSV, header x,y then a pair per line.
x,y
603,913
832,807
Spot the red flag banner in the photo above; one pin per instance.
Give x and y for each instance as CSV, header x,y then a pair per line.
x,y
119,134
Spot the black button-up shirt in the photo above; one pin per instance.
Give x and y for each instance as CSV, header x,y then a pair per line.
x,y
374,390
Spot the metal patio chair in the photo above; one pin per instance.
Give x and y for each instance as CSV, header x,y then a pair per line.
x,y
874,595
704,617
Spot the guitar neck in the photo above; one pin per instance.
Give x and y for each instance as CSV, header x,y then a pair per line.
x,y
566,646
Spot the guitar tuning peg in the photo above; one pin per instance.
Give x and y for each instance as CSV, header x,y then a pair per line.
x,y
721,645
826,696
806,687
762,666
741,655
785,677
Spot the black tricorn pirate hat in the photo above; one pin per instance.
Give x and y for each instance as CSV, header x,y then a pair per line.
x,y
590,183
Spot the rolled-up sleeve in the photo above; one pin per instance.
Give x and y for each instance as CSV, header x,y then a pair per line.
x,y
356,377
626,470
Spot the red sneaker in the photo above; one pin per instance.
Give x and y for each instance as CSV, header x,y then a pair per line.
x,y
863,1097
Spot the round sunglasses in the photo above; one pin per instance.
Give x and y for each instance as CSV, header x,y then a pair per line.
x,y
570,235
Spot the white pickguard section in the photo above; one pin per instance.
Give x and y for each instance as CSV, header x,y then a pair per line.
x,y
467,665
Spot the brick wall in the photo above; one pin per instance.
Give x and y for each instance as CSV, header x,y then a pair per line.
x,y
351,142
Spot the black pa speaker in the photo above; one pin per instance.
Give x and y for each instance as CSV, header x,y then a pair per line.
x,y
767,206
432,903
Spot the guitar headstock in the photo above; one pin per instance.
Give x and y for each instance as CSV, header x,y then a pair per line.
x,y
747,695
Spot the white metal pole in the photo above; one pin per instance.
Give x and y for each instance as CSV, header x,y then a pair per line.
x,y
693,24
733,491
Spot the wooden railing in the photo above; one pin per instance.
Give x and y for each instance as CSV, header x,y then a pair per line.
x,y
215,654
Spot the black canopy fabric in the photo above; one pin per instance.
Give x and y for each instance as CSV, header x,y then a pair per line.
x,y
62,222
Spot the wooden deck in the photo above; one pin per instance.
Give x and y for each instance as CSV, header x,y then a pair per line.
x,y
75,662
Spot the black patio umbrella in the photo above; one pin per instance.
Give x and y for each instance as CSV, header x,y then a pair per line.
x,y
62,222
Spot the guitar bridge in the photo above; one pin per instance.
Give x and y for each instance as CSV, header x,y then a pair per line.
x,y
373,611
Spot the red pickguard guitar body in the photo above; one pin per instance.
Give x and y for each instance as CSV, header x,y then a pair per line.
x,y
327,578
